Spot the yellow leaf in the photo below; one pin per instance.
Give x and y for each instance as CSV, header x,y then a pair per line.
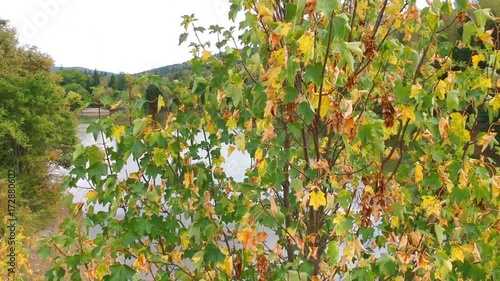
x,y
476,59
188,179
361,7
317,199
116,105
407,112
349,250
259,154
205,56
227,266
394,221
176,256
431,206
495,102
415,89
441,89
306,42
185,240
91,195
495,186
117,132
285,28
161,103
230,150
325,105
140,263
239,141
486,37
457,254
483,83
264,13
419,175
231,123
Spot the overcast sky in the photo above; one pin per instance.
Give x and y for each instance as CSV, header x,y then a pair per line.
x,y
110,35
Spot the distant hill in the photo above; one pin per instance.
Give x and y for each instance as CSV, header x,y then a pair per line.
x,y
164,70
82,69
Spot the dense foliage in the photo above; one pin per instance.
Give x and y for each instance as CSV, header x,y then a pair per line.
x,y
36,130
367,158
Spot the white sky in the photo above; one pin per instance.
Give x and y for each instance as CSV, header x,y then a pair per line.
x,y
110,35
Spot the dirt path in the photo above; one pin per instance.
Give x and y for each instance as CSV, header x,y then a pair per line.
x,y
38,265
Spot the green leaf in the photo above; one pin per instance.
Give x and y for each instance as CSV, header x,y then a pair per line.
x,y
354,47
342,29
291,11
333,253
482,16
213,254
452,101
139,126
327,6
44,252
120,273
296,184
439,233
305,111
291,94
314,73
79,149
468,30
387,264
235,93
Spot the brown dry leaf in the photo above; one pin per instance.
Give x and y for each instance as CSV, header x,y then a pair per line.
x,y
350,129
485,140
476,254
141,264
261,237
359,248
444,127
405,258
275,39
274,207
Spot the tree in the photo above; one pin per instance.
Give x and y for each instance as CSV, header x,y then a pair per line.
x,y
121,83
96,79
35,129
111,82
363,164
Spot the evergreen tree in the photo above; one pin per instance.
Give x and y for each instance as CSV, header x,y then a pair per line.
x,y
111,82
96,79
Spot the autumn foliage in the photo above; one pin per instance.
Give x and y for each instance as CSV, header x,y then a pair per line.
x,y
369,158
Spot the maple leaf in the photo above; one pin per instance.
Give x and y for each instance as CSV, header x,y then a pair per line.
x,y
476,59
141,264
306,42
161,103
205,55
264,13
117,133
239,141
486,139
419,175
457,253
316,199
246,238
444,127
227,266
